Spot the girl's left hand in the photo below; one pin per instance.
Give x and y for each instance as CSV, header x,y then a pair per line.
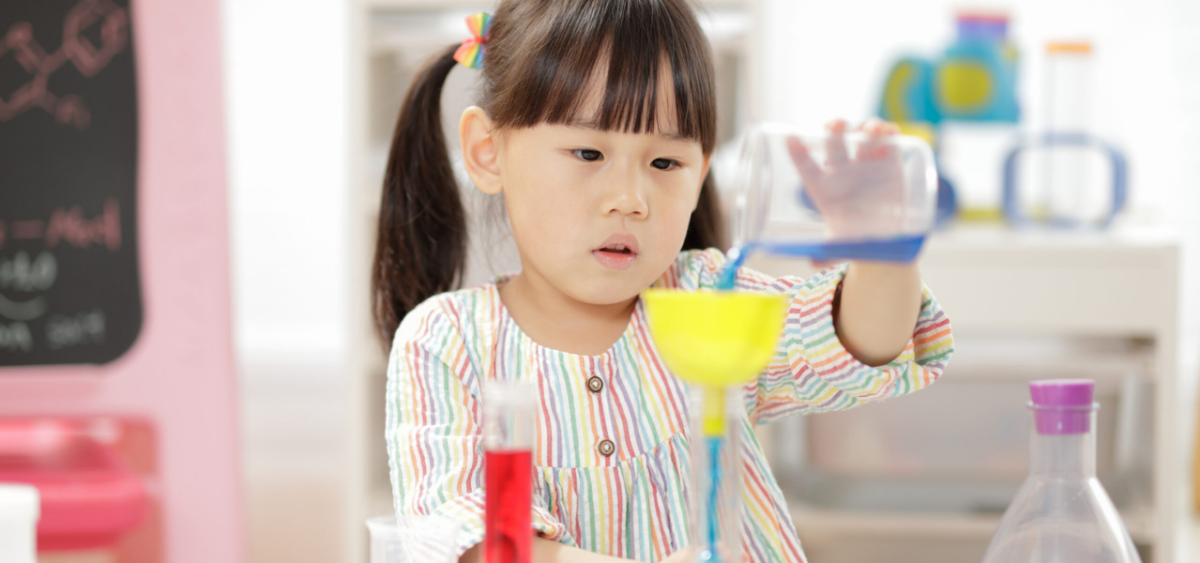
x,y
860,196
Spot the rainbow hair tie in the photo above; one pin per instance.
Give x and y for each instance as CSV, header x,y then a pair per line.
x,y
470,54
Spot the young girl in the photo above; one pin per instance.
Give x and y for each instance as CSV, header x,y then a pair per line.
x,y
595,123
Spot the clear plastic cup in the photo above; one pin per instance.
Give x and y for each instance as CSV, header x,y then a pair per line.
x,y
417,539
836,196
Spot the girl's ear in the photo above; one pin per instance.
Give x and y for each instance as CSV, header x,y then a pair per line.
x,y
478,141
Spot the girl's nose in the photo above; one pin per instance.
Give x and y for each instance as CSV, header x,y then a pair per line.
x,y
627,196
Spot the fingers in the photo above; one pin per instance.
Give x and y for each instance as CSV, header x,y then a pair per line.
x,y
835,143
811,173
875,127
878,131
809,170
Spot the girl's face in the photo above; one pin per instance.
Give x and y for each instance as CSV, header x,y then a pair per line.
x,y
599,215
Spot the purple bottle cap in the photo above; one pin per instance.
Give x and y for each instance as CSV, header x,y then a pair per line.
x,y
1062,406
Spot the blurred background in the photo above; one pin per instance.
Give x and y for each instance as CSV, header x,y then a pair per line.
x,y
1096,275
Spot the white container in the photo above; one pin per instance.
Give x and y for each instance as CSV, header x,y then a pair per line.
x,y
425,539
1065,176
19,512
1069,175
841,196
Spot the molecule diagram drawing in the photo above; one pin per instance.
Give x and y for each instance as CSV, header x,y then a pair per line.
x,y
89,59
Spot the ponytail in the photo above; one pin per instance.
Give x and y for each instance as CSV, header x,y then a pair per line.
x,y
422,237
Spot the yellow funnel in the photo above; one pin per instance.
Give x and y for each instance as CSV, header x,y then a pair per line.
x,y
718,339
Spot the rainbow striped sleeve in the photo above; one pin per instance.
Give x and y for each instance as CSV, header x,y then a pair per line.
x,y
812,370
434,425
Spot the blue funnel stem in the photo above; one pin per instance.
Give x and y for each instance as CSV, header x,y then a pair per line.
x,y
712,497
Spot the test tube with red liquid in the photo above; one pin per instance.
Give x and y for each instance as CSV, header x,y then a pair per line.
x,y
510,413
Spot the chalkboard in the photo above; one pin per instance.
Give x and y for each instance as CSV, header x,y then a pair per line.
x,y
69,285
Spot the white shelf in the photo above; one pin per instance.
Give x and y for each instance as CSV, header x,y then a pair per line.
x,y
423,27
826,525
1107,360
1029,304
459,4
428,4
1077,284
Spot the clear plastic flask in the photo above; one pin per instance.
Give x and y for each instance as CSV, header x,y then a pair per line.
x,y
836,196
1061,514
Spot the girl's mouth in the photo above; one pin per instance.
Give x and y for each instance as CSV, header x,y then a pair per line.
x,y
617,249
617,253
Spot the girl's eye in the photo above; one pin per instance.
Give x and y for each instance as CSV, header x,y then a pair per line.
x,y
664,164
588,155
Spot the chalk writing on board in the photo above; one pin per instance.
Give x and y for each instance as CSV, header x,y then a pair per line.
x,y
25,274
68,225
16,337
85,327
88,59
70,287
36,274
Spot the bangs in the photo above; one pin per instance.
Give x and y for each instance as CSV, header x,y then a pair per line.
x,y
623,48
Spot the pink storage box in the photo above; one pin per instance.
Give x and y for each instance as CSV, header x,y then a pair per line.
x,y
89,496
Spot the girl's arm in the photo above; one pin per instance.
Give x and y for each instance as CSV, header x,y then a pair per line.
x,y
878,308
817,367
880,302
549,551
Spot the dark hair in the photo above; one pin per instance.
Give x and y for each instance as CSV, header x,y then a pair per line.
x,y
539,61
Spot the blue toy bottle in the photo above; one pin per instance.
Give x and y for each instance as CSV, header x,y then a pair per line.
x,y
976,78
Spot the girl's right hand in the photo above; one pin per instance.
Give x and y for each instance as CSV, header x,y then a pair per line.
x,y
859,196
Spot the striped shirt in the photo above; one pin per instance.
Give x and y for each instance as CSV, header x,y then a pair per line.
x,y
630,503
